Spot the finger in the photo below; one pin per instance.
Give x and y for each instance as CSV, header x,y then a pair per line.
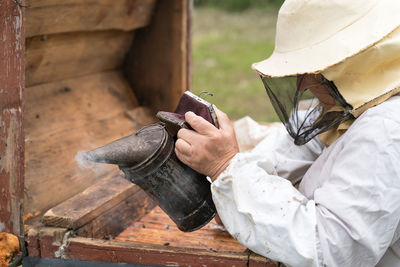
x,y
182,147
187,135
223,119
198,123
182,157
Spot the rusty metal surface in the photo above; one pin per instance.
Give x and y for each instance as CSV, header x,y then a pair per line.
x,y
147,159
131,150
11,115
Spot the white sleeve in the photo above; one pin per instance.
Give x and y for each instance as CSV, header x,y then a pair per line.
x,y
265,212
275,146
255,197
351,219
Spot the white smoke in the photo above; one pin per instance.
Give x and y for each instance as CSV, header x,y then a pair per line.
x,y
85,164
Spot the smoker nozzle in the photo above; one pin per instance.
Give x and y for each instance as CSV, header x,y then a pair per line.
x,y
130,150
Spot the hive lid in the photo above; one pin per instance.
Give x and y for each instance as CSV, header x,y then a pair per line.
x,y
131,150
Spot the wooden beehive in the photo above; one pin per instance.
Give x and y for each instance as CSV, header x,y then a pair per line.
x,y
77,74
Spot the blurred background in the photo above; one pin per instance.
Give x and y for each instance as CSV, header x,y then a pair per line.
x,y
228,36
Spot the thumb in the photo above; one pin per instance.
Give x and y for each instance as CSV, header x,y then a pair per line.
x,y
198,123
223,119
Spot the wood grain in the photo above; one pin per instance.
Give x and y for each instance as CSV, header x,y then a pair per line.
x,y
11,117
158,229
256,260
112,251
112,222
142,115
66,117
130,252
54,16
61,56
50,240
158,63
32,240
90,203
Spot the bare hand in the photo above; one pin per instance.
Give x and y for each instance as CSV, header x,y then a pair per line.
x,y
207,149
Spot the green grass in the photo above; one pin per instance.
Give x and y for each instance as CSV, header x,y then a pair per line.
x,y
238,5
225,44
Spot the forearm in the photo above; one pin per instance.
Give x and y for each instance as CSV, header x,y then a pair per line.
x,y
266,213
274,145
345,214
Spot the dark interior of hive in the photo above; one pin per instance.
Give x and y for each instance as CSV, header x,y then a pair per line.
x,y
97,71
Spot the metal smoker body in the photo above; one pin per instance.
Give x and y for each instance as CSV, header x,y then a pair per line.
x,y
147,159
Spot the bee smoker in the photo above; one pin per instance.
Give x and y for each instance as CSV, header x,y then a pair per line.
x,y
147,159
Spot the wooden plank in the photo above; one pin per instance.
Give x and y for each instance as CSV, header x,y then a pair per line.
x,y
157,228
112,222
48,240
189,53
142,116
66,117
111,251
32,241
51,240
256,260
54,16
11,117
157,65
61,56
90,203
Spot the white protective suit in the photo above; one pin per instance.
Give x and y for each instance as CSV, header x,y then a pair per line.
x,y
347,209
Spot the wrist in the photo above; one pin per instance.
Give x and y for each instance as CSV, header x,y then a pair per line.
x,y
221,168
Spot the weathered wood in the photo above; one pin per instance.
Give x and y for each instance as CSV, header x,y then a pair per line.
x,y
189,53
54,16
45,241
32,238
51,240
157,66
142,116
112,222
158,229
90,203
256,260
111,251
11,118
32,241
66,117
61,56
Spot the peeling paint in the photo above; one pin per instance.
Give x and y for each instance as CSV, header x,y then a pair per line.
x,y
172,264
11,122
18,35
9,201
60,253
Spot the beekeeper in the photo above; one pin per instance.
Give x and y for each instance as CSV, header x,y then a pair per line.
x,y
333,79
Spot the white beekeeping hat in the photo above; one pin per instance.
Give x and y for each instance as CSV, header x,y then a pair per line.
x,y
313,35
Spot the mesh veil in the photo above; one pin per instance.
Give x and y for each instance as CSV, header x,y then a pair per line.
x,y
303,114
